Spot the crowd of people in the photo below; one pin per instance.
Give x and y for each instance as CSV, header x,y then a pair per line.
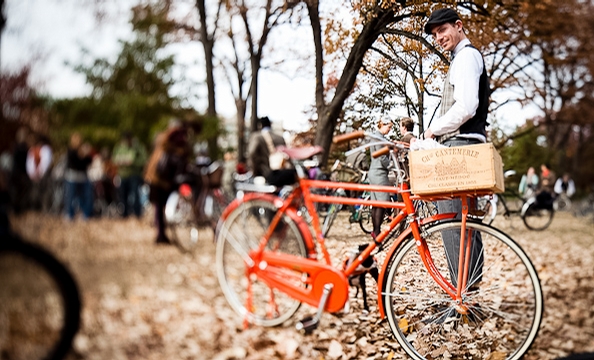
x,y
83,180
546,187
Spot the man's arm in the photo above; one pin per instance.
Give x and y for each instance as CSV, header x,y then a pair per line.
x,y
465,77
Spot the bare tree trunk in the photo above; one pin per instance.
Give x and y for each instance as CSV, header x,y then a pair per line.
x,y
256,57
327,120
314,18
241,143
255,64
207,41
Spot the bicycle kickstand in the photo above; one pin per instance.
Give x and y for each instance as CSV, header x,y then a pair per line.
x,y
310,323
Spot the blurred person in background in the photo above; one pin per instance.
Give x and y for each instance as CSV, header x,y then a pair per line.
x,y
545,193
565,185
130,157
19,182
528,183
101,175
78,189
230,166
407,126
169,158
260,147
378,174
39,161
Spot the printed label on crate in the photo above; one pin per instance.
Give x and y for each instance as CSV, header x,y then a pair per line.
x,y
455,168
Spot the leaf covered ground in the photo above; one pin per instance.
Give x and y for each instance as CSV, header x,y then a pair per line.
x,y
143,301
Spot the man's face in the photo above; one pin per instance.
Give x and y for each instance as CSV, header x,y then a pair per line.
x,y
448,35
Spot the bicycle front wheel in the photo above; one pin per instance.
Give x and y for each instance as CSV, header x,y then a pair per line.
x,y
504,309
39,303
537,217
240,232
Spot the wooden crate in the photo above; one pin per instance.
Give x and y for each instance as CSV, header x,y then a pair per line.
x,y
459,168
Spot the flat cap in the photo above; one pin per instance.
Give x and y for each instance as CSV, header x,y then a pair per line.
x,y
439,17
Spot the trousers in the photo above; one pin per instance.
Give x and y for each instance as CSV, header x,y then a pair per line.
x,y
451,238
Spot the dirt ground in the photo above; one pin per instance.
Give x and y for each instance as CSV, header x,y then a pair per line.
x,y
143,301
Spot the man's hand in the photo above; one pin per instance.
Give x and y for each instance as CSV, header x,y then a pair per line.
x,y
428,134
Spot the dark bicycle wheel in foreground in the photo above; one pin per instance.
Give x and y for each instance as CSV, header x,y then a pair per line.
x,y
39,303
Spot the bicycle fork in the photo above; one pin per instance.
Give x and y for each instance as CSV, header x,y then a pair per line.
x,y
456,288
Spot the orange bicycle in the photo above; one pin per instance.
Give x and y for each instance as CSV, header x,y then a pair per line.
x,y
269,263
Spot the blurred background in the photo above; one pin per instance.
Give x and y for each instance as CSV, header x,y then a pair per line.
x,y
103,67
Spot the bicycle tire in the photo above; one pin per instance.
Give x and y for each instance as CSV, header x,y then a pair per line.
x,y
423,319
241,231
365,222
44,323
562,203
181,226
536,217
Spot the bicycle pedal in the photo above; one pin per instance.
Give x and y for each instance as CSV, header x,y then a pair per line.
x,y
308,324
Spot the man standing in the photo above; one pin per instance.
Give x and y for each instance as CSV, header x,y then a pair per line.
x,y
463,116
465,99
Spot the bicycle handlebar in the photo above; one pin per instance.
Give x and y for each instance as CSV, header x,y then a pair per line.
x,y
383,151
350,136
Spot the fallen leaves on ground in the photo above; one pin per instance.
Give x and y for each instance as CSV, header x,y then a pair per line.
x,y
143,301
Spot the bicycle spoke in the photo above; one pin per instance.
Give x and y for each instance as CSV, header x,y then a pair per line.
x,y
238,246
242,232
418,296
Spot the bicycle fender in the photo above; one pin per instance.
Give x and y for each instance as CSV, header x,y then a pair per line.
x,y
291,212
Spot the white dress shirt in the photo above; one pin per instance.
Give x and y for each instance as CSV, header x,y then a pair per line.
x,y
465,73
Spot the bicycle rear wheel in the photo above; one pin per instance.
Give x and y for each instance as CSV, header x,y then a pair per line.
x,y
240,232
504,312
562,203
39,303
181,225
365,221
536,217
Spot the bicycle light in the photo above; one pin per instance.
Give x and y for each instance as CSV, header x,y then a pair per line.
x,y
185,190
